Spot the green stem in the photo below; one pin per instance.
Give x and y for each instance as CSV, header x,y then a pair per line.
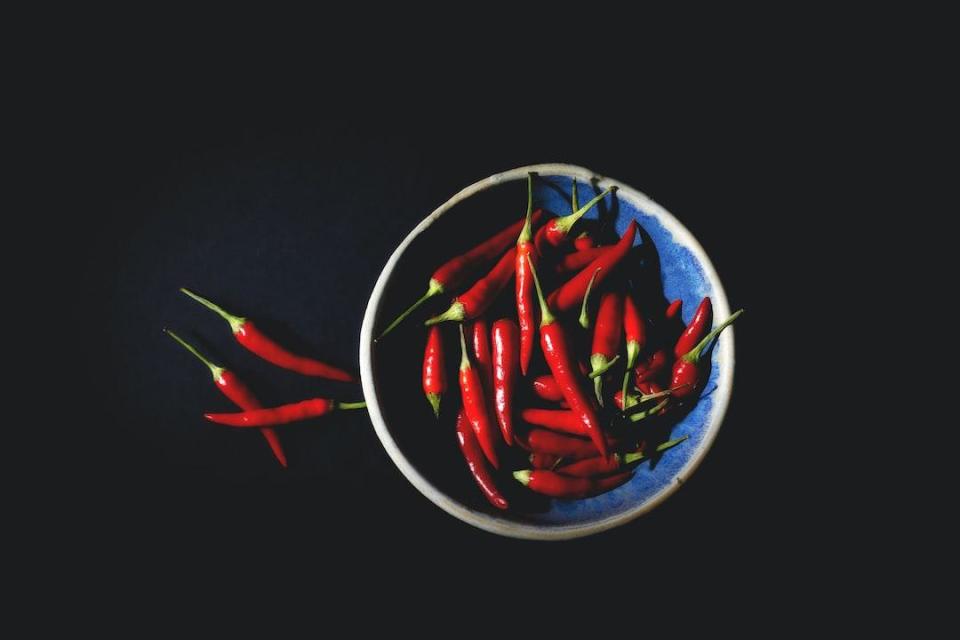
x,y
637,417
526,233
602,368
546,317
633,350
214,369
566,223
236,322
635,402
455,313
434,400
584,316
636,456
435,288
574,202
351,405
522,476
694,354
464,358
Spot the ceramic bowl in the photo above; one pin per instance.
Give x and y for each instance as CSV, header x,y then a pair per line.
x,y
425,450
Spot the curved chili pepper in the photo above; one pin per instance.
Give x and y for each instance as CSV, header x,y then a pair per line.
x,y
524,285
546,388
562,421
650,367
481,295
434,370
454,272
475,405
571,292
480,342
636,330
579,259
606,339
555,485
556,232
702,319
584,242
506,337
238,393
543,460
476,463
546,441
686,371
602,466
556,352
250,337
284,414
584,319
674,310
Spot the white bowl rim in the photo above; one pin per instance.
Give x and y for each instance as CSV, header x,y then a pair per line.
x,y
491,522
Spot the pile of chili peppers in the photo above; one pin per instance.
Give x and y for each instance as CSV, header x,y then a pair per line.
x,y
254,414
619,372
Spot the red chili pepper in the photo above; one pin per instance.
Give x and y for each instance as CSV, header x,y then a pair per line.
x,y
434,370
524,285
506,338
584,320
553,484
602,466
571,292
565,446
636,330
546,388
476,463
674,310
584,242
284,414
686,371
606,339
543,460
651,366
250,337
556,352
481,295
556,232
649,387
702,319
579,259
456,271
238,393
480,342
475,405
563,421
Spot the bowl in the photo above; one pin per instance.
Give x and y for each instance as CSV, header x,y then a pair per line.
x,y
424,448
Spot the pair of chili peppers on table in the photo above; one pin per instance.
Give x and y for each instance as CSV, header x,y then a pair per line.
x,y
253,413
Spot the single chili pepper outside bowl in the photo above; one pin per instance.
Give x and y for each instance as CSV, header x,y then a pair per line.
x,y
672,266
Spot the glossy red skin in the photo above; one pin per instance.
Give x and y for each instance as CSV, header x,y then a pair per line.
x,y
481,295
506,340
652,366
526,314
649,387
684,380
546,388
253,339
633,324
475,406
434,364
557,353
546,441
553,484
283,414
238,393
543,460
562,421
590,467
609,325
674,309
698,327
570,294
474,456
579,259
584,242
482,358
455,271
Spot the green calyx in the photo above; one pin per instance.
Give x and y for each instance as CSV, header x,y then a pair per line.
x,y
584,316
526,233
214,369
434,400
546,317
455,313
636,456
236,322
464,358
694,354
566,223
523,476
433,289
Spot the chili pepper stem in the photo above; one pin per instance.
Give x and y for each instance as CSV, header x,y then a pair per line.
x,y
636,456
574,202
214,369
584,316
434,400
526,233
694,354
601,368
546,317
464,358
522,476
351,405
236,322
566,223
434,289
455,313
633,350
634,401
637,417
